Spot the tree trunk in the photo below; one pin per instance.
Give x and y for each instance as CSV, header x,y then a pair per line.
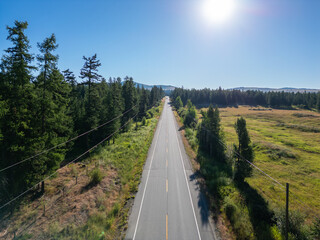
x,y
42,187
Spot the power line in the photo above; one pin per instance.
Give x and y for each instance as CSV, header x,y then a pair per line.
x,y
222,143
273,179
17,197
70,140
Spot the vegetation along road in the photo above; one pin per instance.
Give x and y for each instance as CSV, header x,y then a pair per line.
x,y
169,204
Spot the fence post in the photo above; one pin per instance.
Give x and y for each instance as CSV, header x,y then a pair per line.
x,y
287,211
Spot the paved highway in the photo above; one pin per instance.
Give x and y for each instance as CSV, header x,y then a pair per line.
x,y
168,204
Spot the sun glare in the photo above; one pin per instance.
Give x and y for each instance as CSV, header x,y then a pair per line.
x,y
217,11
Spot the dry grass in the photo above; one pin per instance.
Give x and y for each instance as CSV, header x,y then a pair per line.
x,y
287,147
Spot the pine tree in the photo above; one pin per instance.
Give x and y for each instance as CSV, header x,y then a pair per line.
x,y
130,100
89,73
115,105
70,78
178,103
19,139
211,137
47,62
53,98
190,120
318,102
143,103
242,168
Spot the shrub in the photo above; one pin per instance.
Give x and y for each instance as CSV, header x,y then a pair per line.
x,y
230,209
144,121
315,229
95,176
296,223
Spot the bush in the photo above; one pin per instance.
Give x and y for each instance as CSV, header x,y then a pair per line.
x,y
191,137
315,229
230,209
95,176
144,121
296,223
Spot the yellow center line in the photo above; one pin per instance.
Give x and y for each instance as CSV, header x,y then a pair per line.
x,y
166,149
167,227
167,185
167,162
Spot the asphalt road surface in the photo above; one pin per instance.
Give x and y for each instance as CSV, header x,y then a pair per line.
x,y
168,204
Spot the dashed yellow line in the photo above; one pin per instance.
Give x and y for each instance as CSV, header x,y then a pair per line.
x,y
167,162
167,185
167,227
167,150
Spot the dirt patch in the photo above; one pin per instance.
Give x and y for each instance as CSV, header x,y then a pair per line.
x,y
65,202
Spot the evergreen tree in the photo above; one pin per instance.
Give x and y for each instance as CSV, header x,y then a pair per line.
x,y
115,105
130,100
178,103
190,120
143,103
242,168
211,137
70,78
19,140
53,96
89,73
47,62
318,102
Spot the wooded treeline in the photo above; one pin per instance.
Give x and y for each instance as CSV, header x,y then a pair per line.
x,y
206,96
42,106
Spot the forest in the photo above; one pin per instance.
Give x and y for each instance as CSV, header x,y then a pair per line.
x,y
42,106
220,97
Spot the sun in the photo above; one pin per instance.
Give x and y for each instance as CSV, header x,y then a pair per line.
x,y
217,11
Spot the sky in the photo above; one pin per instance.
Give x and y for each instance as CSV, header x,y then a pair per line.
x,y
264,43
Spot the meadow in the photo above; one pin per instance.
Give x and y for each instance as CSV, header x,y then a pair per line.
x,y
287,147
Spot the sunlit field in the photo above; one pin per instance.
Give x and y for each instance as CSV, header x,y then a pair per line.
x,y
287,147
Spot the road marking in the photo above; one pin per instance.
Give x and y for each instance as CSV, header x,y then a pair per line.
x,y
166,140
167,185
185,175
145,187
167,163
167,227
167,150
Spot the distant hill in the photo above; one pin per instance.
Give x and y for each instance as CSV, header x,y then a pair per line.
x,y
285,89
166,88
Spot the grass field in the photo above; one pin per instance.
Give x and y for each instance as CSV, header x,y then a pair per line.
x,y
287,147
96,204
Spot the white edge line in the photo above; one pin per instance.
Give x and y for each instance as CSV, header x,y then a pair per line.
x,y
145,186
185,175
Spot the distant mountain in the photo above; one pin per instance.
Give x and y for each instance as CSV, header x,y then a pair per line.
x,y
285,89
166,88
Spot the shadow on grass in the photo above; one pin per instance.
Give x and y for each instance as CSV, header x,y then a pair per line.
x,y
260,216
88,187
217,175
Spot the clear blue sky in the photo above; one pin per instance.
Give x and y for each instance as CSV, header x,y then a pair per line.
x,y
266,43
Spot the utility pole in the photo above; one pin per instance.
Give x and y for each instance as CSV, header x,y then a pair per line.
x,y
287,210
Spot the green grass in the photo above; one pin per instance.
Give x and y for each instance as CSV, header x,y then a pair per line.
x,y
287,147
124,160
127,156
